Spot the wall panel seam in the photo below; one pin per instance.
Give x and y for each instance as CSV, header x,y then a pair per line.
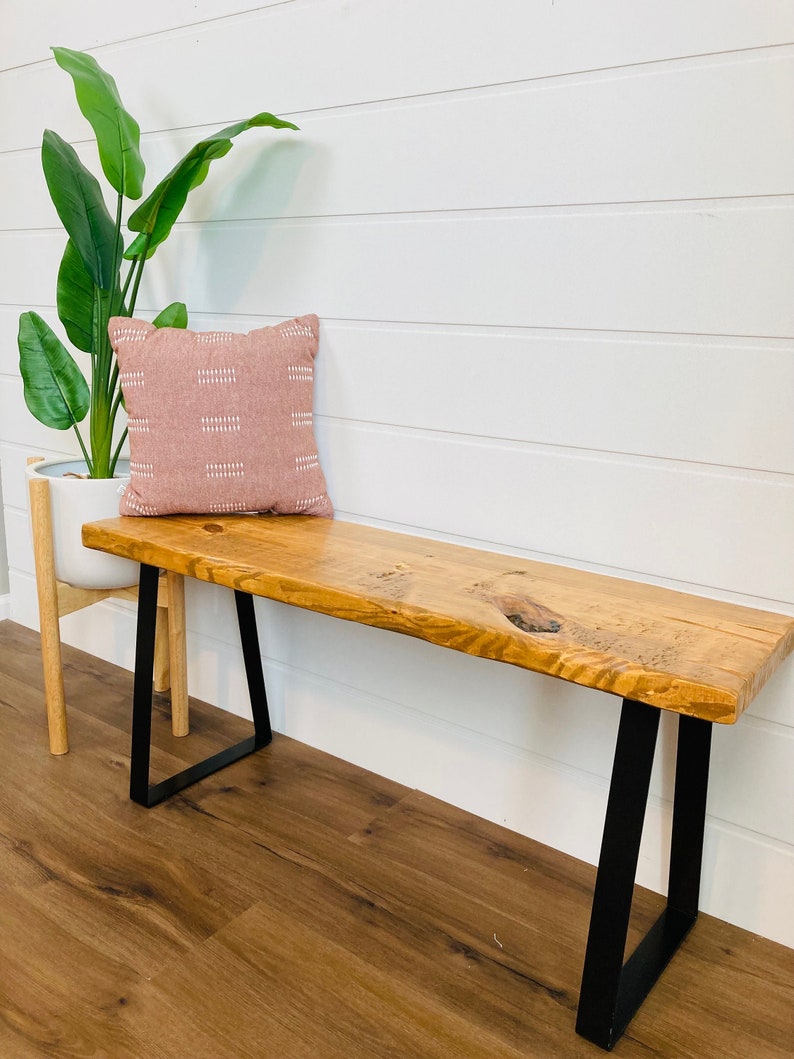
x,y
165,32
778,729
751,52
761,202
740,830
611,456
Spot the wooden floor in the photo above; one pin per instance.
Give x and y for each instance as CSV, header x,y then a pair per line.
x,y
297,906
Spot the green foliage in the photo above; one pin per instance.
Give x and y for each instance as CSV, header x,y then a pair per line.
x,y
118,135
75,299
155,217
174,315
55,390
98,278
77,197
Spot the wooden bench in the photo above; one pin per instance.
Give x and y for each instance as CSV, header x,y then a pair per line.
x,y
657,649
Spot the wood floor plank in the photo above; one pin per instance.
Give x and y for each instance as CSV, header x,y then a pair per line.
x,y
727,995
323,999
449,843
297,906
335,793
401,921
59,996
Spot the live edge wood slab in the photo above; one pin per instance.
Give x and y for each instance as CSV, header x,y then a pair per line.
x,y
660,650
669,649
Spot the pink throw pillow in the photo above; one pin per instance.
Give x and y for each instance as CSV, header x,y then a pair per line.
x,y
220,422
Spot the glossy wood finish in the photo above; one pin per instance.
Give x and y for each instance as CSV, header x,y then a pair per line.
x,y
296,906
676,651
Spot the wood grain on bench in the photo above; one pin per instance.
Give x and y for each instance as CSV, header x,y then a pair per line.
x,y
673,650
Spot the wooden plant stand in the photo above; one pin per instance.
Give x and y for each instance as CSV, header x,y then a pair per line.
x,y
56,598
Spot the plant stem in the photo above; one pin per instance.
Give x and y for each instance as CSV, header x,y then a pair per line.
x,y
117,453
86,457
126,286
139,276
117,402
104,378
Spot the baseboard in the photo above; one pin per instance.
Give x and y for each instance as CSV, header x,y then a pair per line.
x,y
5,607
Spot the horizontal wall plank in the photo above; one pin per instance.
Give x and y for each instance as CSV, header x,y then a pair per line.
x,y
534,498
28,36
617,137
655,517
723,269
736,795
748,880
652,517
713,401
704,400
308,55
604,138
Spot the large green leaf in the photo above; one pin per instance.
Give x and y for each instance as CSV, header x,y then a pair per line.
x,y
77,197
174,315
81,304
155,217
75,299
55,390
118,135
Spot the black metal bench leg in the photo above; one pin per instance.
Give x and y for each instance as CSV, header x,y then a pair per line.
x,y
140,790
142,686
689,814
249,639
612,992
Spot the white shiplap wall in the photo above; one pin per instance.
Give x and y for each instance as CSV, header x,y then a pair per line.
x,y
551,248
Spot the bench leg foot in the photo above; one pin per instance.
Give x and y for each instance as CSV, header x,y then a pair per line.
x,y
612,991
140,790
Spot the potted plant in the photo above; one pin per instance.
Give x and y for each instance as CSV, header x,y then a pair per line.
x,y
100,277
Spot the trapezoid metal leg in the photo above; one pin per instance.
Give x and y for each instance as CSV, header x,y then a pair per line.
x,y
612,991
140,790
249,640
142,687
689,814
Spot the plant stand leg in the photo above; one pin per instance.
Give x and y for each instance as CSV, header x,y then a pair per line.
x,y
47,589
177,647
57,599
162,667
170,646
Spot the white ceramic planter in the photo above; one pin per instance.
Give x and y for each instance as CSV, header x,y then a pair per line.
x,y
74,501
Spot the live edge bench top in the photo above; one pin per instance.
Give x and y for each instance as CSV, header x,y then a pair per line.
x,y
676,651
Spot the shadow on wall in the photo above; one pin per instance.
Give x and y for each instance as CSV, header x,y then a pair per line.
x,y
264,183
